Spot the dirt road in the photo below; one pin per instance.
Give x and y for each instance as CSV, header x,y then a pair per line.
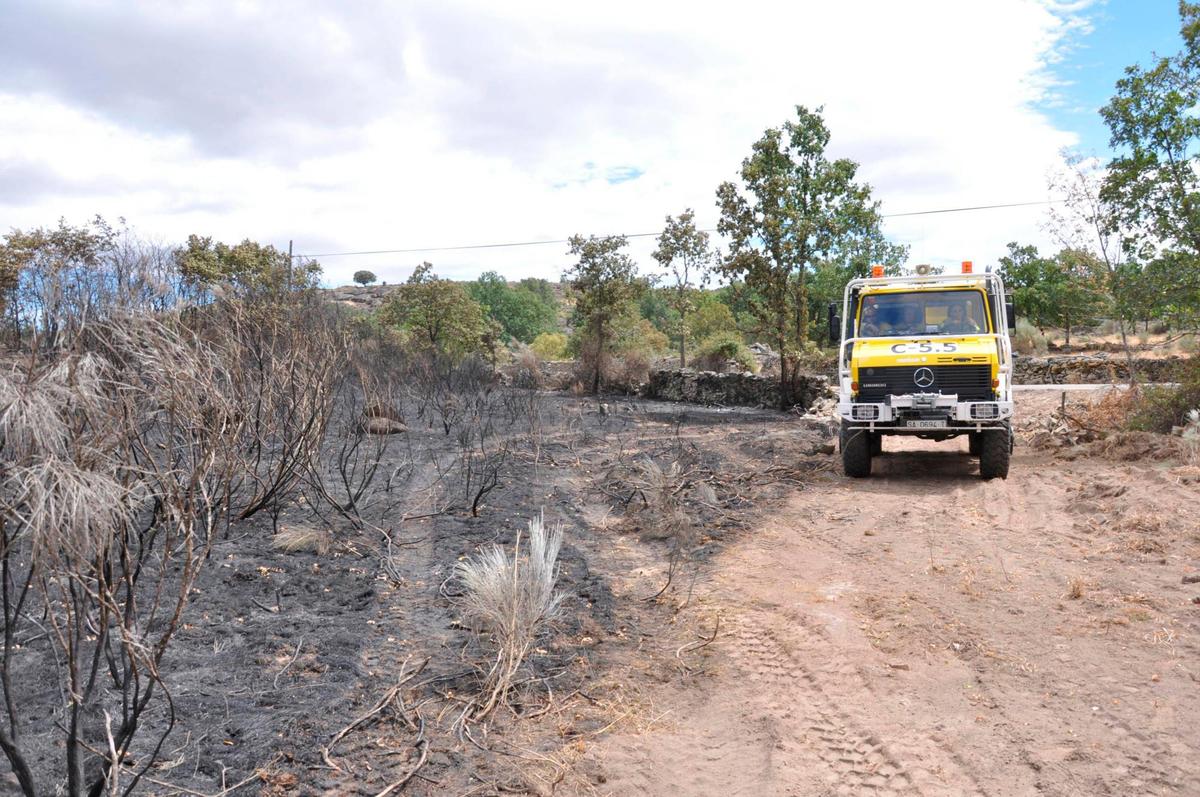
x,y
924,632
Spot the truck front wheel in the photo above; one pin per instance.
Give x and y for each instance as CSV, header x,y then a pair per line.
x,y
856,453
995,449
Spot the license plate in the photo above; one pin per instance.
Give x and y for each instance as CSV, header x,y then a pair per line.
x,y
926,424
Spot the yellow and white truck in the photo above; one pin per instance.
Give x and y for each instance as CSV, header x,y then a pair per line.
x,y
926,355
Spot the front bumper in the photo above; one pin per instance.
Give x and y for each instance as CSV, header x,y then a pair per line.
x,y
895,413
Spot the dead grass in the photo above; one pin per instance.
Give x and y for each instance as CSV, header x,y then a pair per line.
x,y
509,599
1076,588
293,539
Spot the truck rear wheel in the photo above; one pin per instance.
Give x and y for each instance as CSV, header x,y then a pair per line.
x,y
995,449
856,453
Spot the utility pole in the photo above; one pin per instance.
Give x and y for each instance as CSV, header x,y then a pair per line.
x,y
290,266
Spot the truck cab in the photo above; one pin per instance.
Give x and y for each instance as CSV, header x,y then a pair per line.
x,y
926,355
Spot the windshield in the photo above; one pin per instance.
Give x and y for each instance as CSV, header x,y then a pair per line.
x,y
922,313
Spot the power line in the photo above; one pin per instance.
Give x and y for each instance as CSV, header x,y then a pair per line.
x,y
512,244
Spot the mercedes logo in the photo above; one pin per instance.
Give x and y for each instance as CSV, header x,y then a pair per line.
x,y
923,377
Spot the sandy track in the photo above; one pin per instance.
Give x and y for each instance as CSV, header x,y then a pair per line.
x,y
915,634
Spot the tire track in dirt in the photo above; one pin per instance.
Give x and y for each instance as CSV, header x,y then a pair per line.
x,y
818,691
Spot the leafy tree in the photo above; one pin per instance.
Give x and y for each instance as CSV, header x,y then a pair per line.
x,y
684,250
364,277
248,268
1029,276
522,313
1066,291
1154,183
439,314
710,318
550,346
1076,290
540,288
55,275
604,281
796,208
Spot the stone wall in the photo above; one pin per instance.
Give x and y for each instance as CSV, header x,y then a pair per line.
x,y
732,390
1088,369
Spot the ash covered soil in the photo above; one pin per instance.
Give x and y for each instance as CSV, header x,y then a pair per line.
x,y
920,632
345,667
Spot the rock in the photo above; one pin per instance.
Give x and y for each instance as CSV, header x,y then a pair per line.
x,y
1192,578
383,426
378,409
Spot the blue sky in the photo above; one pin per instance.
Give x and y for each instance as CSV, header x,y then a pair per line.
x,y
1123,32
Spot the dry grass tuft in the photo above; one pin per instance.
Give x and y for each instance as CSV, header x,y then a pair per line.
x,y
294,539
510,599
1076,588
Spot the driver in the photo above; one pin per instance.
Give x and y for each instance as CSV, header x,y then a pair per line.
x,y
956,322
872,323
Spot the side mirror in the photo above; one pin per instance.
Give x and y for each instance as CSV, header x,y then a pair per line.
x,y
835,325
1010,311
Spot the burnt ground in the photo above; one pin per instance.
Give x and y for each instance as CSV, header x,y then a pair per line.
x,y
282,649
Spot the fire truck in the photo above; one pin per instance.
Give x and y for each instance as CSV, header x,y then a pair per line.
x,y
925,355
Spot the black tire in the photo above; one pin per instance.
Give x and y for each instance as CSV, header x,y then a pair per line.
x,y
856,453
995,449
973,443
876,444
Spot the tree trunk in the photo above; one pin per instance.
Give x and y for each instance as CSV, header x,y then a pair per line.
x,y
682,342
1128,353
599,358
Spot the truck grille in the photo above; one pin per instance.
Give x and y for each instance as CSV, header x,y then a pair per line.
x,y
969,382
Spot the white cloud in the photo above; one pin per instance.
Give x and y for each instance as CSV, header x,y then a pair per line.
x,y
433,124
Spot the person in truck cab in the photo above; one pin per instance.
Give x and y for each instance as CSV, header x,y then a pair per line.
x,y
912,321
957,323
872,321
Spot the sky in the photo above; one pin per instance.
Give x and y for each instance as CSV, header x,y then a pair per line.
x,y
368,126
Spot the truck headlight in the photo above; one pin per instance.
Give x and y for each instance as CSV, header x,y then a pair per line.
x,y
984,412
864,412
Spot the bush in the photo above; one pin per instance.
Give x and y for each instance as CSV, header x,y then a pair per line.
x,y
716,351
1161,408
709,319
632,369
1028,339
637,335
527,368
550,346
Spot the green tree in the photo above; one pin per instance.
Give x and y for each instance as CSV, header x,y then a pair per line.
x,y
521,312
655,307
438,314
1153,184
685,251
710,318
1065,291
795,209
1077,290
364,277
604,281
248,269
56,276
1029,276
